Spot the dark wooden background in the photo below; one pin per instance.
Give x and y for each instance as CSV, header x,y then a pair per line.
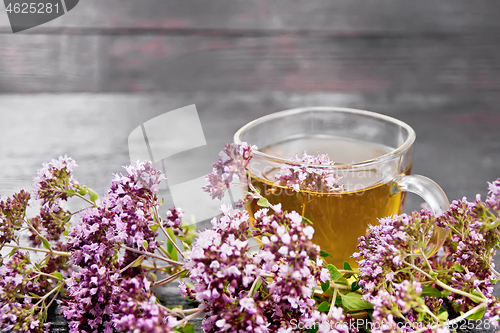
x,y
80,84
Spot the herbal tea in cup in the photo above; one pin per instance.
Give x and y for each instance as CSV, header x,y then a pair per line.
x,y
342,169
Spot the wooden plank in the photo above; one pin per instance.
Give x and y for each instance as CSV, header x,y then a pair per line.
x,y
388,65
457,136
339,16
49,63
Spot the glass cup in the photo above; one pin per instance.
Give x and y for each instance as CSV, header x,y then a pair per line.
x,y
372,155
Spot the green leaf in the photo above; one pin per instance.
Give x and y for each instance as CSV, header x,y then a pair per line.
x,y
324,254
443,315
45,261
189,284
12,252
314,329
475,293
347,267
66,233
138,261
477,315
324,307
334,272
82,192
355,286
352,301
153,275
70,192
172,251
445,293
58,275
154,227
325,286
255,287
429,291
305,219
263,202
33,295
457,267
45,243
489,226
145,244
343,281
188,328
93,195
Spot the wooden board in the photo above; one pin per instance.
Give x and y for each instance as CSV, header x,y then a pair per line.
x,y
383,65
338,16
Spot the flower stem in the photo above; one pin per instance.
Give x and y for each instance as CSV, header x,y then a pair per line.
x,y
131,264
59,253
349,272
494,271
339,286
37,233
169,279
83,198
445,286
334,298
152,255
172,241
48,294
468,313
425,259
51,276
188,318
54,298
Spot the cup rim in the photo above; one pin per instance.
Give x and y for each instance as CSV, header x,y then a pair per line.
x,y
386,157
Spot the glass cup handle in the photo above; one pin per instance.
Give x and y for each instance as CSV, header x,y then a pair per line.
x,y
428,190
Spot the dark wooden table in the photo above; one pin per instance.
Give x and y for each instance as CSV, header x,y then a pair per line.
x,y
79,85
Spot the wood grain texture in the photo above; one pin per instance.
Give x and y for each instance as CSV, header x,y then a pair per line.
x,y
457,135
338,16
383,65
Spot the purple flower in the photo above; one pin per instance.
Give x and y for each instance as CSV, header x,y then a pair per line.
x,y
100,290
53,181
174,216
18,277
225,271
233,161
138,311
494,195
91,299
302,177
12,215
390,256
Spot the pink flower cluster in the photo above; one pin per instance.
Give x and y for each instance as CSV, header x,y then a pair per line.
x,y
494,195
388,258
303,177
18,278
11,215
53,181
256,291
99,296
233,161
